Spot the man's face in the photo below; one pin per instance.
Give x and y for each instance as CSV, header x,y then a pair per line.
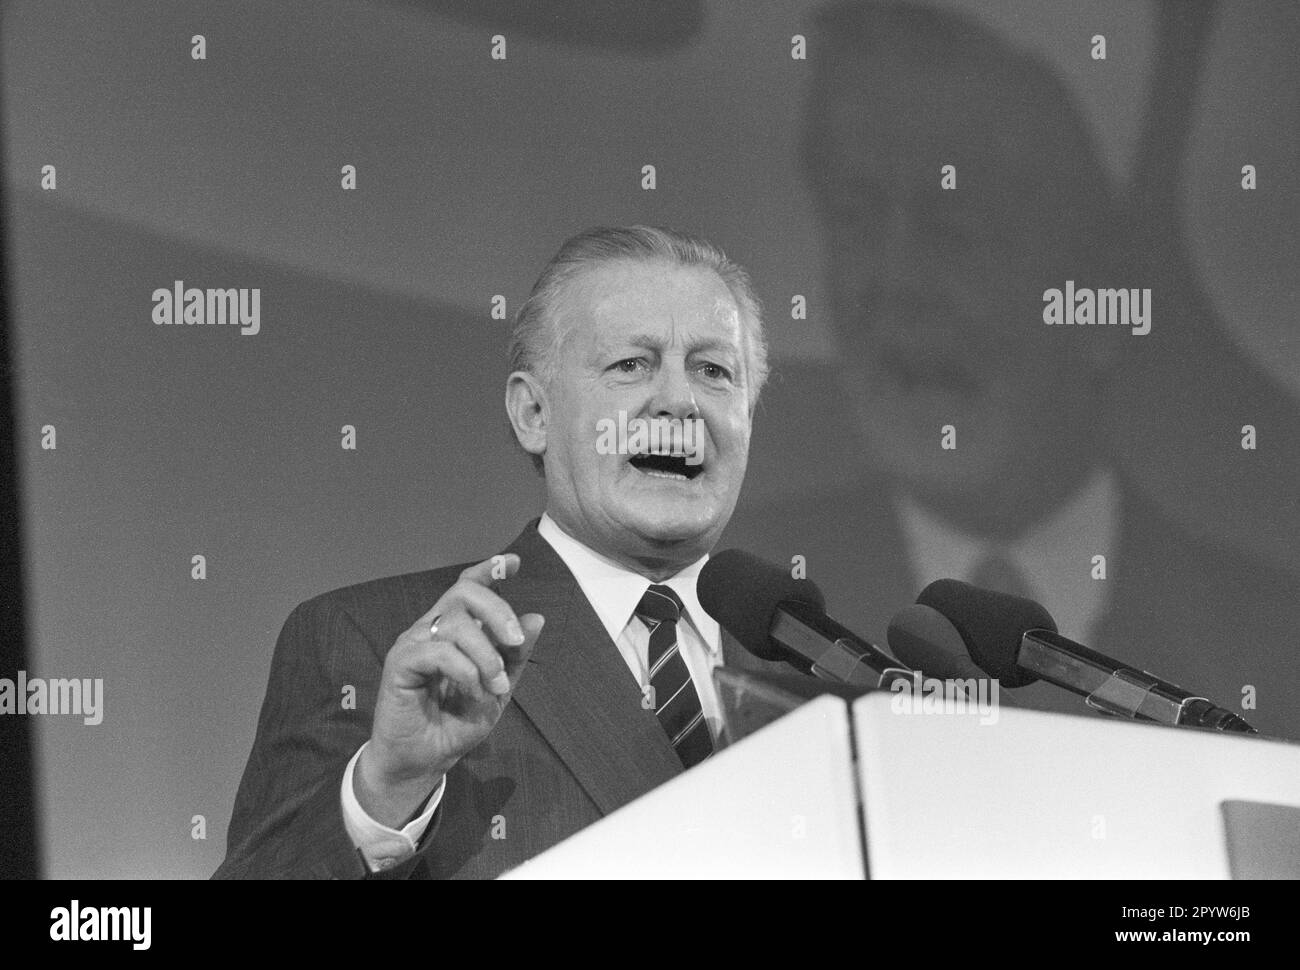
x,y
937,295
651,340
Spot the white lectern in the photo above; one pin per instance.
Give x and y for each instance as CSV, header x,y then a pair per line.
x,y
847,789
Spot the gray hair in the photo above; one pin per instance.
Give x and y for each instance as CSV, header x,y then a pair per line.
x,y
536,337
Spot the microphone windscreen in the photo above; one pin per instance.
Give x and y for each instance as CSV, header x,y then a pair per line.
x,y
990,624
742,591
926,641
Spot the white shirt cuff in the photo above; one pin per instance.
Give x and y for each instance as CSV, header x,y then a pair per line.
x,y
381,846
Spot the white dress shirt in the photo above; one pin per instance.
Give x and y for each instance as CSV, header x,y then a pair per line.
x,y
613,591
1054,557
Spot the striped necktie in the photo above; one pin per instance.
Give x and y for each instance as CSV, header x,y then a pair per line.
x,y
676,703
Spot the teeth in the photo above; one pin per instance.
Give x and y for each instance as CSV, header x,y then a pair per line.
x,y
655,474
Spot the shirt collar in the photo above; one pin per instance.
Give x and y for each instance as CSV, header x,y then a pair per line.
x,y
614,590
1046,554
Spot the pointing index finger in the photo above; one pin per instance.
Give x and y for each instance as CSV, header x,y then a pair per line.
x,y
489,571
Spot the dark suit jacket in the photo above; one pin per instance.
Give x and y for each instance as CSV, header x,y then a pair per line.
x,y
1194,613
573,745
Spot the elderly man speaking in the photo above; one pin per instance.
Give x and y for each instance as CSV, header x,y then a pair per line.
x,y
503,706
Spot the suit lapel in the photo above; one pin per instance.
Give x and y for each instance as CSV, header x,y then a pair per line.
x,y
577,690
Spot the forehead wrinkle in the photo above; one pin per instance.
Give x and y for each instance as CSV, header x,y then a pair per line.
x,y
693,342
588,304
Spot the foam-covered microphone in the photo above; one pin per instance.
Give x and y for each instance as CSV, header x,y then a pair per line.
x,y
924,639
1015,640
777,617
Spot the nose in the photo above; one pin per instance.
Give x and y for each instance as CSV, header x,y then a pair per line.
x,y
673,395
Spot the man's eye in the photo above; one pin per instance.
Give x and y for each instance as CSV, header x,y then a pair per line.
x,y
715,372
628,366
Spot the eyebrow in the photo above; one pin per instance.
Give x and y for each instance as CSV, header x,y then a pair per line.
x,y
651,342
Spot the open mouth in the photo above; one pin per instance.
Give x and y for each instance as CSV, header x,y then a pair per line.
x,y
666,466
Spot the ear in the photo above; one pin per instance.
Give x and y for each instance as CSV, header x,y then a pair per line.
x,y
527,409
